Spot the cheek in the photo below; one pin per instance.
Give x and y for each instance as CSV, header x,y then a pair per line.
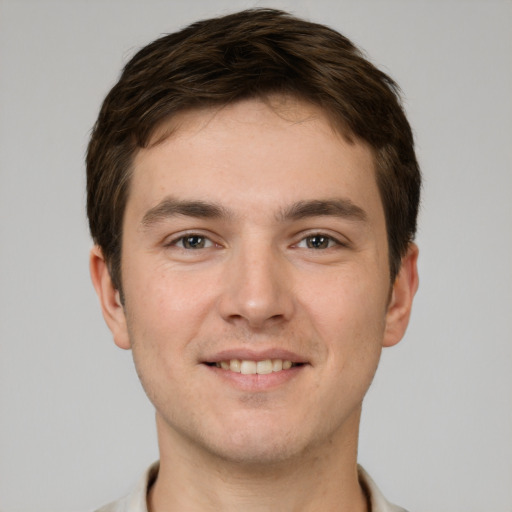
x,y
351,329
164,318
162,296
165,314
347,305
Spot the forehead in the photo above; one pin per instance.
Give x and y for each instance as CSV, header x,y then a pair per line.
x,y
265,152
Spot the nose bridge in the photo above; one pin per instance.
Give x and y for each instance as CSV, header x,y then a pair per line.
x,y
256,285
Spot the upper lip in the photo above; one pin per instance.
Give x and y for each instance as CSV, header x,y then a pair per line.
x,y
255,355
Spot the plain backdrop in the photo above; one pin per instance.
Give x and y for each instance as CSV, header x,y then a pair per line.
x,y
76,429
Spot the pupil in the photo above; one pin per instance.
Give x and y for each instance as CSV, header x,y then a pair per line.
x,y
194,242
318,242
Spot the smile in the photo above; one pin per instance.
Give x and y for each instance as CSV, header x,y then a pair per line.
x,y
249,367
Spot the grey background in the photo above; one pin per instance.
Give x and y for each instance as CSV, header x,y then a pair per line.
x,y
75,427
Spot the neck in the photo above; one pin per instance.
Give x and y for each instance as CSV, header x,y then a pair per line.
x,y
320,478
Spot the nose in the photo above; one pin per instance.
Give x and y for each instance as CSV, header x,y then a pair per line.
x,y
257,289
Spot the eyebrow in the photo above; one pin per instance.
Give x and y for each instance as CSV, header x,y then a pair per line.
x,y
171,207
330,207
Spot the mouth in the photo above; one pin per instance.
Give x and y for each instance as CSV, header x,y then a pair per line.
x,y
253,367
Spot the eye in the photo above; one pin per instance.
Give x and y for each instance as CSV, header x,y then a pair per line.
x,y
193,241
318,241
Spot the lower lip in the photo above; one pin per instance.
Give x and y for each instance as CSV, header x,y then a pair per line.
x,y
257,382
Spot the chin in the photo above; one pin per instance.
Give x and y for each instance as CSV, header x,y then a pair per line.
x,y
256,452
259,444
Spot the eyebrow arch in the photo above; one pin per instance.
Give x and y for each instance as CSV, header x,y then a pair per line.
x,y
330,207
171,207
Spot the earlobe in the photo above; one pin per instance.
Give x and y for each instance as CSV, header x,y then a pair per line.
x,y
110,299
400,304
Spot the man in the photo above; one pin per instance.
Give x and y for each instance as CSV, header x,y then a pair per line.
x,y
252,196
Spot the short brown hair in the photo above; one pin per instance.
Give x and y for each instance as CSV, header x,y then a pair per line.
x,y
248,54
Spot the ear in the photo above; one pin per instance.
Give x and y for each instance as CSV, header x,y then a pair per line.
x,y
402,294
110,299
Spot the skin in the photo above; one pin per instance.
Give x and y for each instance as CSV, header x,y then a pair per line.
x,y
264,274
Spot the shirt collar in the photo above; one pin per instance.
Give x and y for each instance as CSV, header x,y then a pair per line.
x,y
378,503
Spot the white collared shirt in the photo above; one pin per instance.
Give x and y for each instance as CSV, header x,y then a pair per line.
x,y
136,500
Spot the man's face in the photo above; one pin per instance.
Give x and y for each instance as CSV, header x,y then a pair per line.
x,y
255,234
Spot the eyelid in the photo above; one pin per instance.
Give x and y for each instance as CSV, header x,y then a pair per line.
x,y
175,239
207,242
338,240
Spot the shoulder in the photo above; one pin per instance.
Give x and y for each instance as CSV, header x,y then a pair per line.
x,y
136,500
377,500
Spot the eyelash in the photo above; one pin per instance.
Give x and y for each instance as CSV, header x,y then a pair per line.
x,y
182,240
331,241
207,242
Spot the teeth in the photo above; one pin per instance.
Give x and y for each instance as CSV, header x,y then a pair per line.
x,y
277,365
264,367
247,367
234,365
